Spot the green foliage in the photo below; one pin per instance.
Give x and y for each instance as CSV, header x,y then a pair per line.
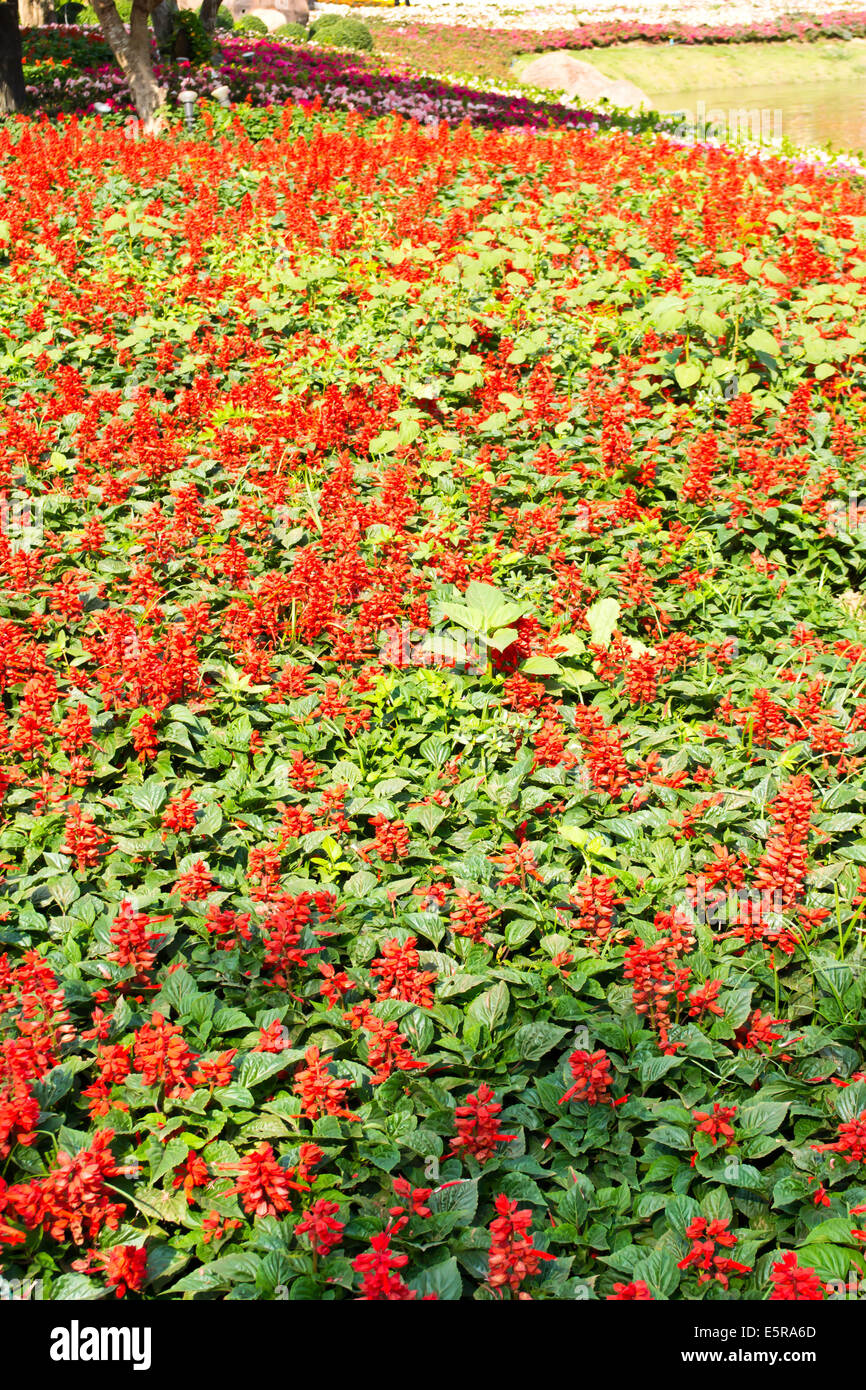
x,y
291,31
243,775
343,33
224,18
89,16
251,24
326,21
188,38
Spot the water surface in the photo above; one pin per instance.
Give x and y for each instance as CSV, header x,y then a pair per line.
x,y
808,113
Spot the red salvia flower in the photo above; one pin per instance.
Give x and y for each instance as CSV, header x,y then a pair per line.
x,y
478,1126
636,1292
321,1226
263,1184
377,1265
592,1078
320,1092
162,1056
399,975
513,1256
716,1125
793,1282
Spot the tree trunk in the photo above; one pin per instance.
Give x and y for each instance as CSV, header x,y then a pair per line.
x,y
208,13
132,51
13,96
162,19
34,13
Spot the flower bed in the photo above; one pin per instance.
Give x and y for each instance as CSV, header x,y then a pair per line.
x,y
265,72
432,753
720,22
462,43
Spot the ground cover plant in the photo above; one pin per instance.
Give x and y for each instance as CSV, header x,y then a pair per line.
x,y
433,725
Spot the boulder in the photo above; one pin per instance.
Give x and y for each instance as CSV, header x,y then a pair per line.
x,y
273,15
560,72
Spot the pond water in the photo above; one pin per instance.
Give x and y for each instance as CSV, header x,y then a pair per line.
x,y
807,113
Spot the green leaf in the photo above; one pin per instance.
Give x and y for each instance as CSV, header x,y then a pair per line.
x,y
602,618
230,1020
830,1261
255,1067
654,1068
762,341
765,1117
151,796
177,993
443,1279
218,1274
491,1008
836,1230
174,1153
502,638
671,1136
460,1197
532,1040
75,1288
585,840
541,666
680,1212
687,373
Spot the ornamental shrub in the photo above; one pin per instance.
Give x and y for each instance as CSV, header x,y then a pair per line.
x,y
290,31
251,24
188,39
326,21
89,16
347,33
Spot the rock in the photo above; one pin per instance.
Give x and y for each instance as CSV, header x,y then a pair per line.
x,y
560,72
273,15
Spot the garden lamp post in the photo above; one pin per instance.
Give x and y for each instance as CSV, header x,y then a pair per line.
x,y
222,95
188,100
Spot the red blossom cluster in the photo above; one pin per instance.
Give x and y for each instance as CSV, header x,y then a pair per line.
x,y
592,1078
321,1093
851,1143
131,940
399,975
263,1184
795,1283
124,1267
708,1238
162,1056
320,1224
378,1266
514,1256
657,979
478,1126
596,903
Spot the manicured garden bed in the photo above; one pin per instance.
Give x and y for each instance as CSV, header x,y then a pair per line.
x,y
69,69
489,49
433,725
